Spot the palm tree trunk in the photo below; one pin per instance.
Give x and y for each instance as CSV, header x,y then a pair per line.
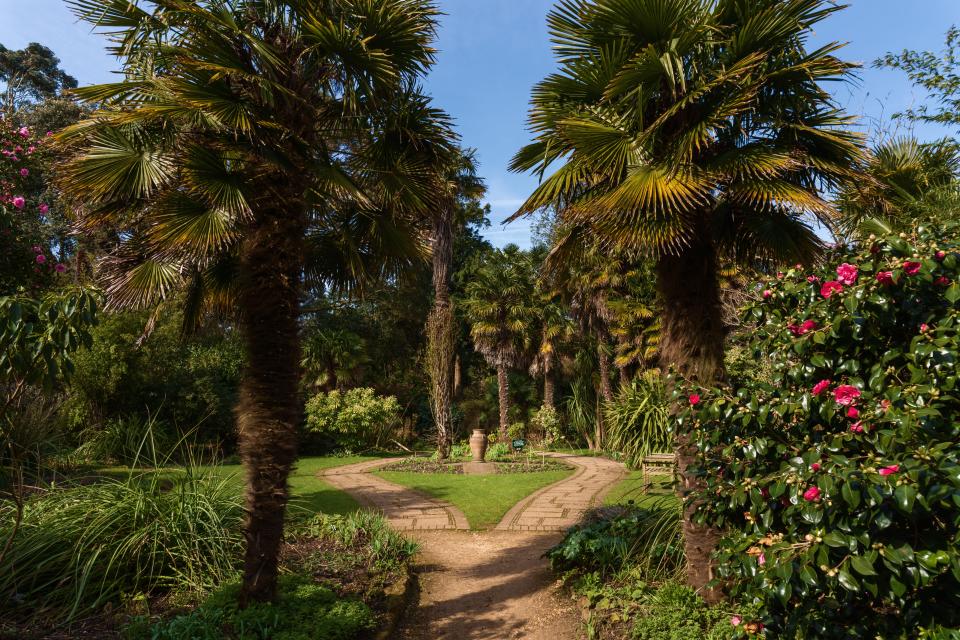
x,y
548,384
268,410
440,338
503,389
606,394
692,344
624,376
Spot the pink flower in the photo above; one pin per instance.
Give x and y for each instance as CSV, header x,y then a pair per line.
x,y
19,202
942,281
911,268
44,208
885,405
37,249
924,327
830,287
794,329
41,258
889,471
24,132
31,149
767,293
60,268
940,255
815,466
24,172
852,412
694,398
49,134
813,279
885,278
820,387
856,427
736,620
846,394
847,274
780,275
762,559
812,494
808,326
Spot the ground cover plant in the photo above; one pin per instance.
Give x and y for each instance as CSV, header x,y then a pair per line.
x,y
837,480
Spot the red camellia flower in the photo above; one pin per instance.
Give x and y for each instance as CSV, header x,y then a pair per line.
x,y
924,327
911,268
885,405
830,287
694,398
820,387
44,208
847,274
813,279
812,494
24,172
856,427
41,259
808,326
815,466
885,277
19,202
60,268
940,255
767,293
846,394
889,471
942,281
852,412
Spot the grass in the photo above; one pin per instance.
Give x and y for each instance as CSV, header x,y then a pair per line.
x,y
632,488
484,499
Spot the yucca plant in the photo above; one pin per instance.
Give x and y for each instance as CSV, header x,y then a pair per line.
x,y
238,160
691,130
638,419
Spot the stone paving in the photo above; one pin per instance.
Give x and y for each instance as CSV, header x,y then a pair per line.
x,y
405,509
553,508
561,505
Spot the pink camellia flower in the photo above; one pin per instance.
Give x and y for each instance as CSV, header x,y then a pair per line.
x,y
856,427
44,208
924,327
694,398
847,274
19,202
885,278
37,249
889,471
846,394
852,412
31,149
49,134
762,559
794,329
736,620
808,326
940,255
813,279
830,287
24,172
60,268
767,293
820,387
24,132
41,258
815,466
942,281
780,275
885,405
911,268
812,494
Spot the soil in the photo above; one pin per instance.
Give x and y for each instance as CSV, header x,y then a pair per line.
x,y
491,585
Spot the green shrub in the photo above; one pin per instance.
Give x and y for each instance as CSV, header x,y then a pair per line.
x,y
499,451
461,450
80,548
516,431
357,419
128,441
546,423
304,611
839,481
637,419
675,612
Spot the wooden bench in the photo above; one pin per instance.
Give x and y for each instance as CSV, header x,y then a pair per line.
x,y
657,464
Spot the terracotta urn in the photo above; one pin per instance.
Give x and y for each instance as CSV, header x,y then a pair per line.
x,y
478,444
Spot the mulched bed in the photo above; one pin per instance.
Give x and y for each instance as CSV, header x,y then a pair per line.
x,y
531,465
423,465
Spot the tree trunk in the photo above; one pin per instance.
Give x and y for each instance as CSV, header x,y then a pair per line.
x,y
440,335
268,410
548,383
624,377
503,389
692,345
606,395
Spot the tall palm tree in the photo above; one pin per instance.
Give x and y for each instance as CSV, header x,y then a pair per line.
x,y
500,307
691,130
555,329
230,161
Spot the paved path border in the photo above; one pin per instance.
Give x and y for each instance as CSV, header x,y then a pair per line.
x,y
404,508
561,505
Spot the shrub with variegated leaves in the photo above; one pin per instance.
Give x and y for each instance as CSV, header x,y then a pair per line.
x,y
837,482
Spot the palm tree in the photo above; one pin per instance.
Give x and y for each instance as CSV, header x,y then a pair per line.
x,y
692,130
500,308
555,328
230,161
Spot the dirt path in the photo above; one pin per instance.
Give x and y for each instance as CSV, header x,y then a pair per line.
x,y
492,585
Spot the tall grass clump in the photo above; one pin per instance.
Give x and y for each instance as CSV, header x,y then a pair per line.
x,y
383,549
81,547
638,419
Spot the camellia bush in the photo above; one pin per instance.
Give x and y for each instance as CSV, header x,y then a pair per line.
x,y
355,419
836,478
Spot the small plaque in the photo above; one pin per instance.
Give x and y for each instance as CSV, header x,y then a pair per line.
x,y
519,444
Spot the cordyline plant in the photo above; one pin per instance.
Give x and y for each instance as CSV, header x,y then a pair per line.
x,y
837,479
239,160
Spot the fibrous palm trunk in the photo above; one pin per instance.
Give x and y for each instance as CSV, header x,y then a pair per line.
x,y
268,410
440,335
606,394
503,389
692,344
548,384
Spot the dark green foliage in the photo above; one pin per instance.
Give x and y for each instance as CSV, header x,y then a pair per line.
x,y
30,74
638,419
838,478
304,611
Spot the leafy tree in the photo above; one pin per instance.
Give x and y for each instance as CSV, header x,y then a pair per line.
x,y
500,307
938,73
691,130
232,161
31,74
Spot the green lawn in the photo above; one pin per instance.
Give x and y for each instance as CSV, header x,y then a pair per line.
x,y
631,488
484,499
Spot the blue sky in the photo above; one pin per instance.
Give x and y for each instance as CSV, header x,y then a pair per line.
x,y
493,51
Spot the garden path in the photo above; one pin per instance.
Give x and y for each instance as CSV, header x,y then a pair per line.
x,y
492,585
